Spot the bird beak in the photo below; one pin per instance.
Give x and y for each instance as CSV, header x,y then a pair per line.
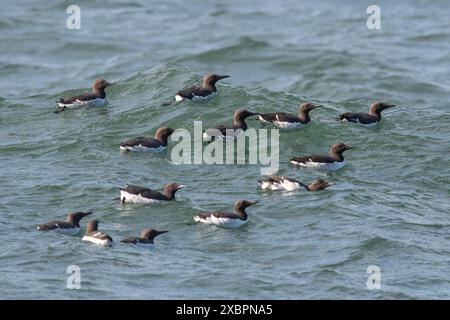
x,y
223,77
84,214
316,106
161,232
180,186
251,203
388,106
110,83
349,147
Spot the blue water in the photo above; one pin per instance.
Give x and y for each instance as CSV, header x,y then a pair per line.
x,y
389,207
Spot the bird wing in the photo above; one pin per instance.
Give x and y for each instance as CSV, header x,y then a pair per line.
x,y
145,142
189,93
54,225
362,118
314,158
82,97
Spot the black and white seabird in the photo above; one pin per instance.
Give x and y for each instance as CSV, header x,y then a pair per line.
x,y
207,91
93,235
333,162
142,144
367,119
136,194
69,227
289,184
290,121
232,131
95,99
227,220
146,239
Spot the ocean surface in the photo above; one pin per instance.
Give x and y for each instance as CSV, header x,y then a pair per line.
x,y
389,206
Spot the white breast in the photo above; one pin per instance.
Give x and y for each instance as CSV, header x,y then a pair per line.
x,y
288,125
220,221
141,148
208,134
284,185
322,166
135,198
90,103
97,241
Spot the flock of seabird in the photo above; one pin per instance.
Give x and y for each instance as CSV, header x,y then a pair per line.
x,y
137,194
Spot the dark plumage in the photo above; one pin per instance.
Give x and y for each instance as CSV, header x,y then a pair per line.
x,y
98,92
236,128
169,193
226,219
72,222
277,182
288,120
367,119
159,142
93,235
200,93
146,237
336,151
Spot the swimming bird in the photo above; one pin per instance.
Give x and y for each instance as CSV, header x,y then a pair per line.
x,y
69,227
290,121
367,119
205,92
146,239
289,184
136,194
142,144
97,98
228,220
97,237
333,162
230,132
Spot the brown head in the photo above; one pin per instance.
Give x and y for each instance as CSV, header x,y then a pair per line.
x,y
304,109
337,149
99,87
377,107
239,206
150,234
74,218
171,188
163,133
92,226
241,114
319,185
209,81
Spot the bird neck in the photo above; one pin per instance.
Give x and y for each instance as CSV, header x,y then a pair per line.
x,y
241,213
209,85
240,124
169,194
99,92
376,113
304,116
162,138
337,155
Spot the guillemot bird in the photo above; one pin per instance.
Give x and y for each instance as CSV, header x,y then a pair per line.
x,y
227,220
232,131
69,227
205,92
289,184
97,98
136,194
142,144
145,240
290,121
333,162
93,235
367,119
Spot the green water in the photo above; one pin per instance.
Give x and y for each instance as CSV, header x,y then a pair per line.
x,y
389,207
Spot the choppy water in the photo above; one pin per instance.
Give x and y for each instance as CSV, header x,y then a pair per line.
x,y
389,207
